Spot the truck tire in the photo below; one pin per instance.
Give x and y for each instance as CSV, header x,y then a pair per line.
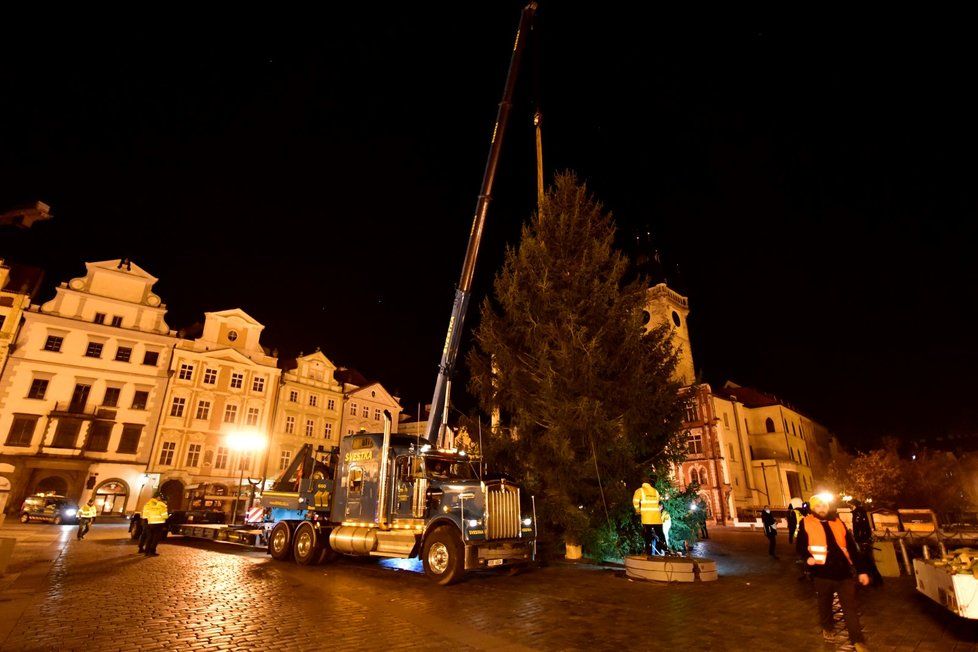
x,y
280,541
306,544
443,556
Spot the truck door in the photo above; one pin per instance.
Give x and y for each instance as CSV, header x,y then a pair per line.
x,y
403,487
354,491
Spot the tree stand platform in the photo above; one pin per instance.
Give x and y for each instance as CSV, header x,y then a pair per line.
x,y
671,569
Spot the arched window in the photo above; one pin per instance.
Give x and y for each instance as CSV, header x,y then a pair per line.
x,y
694,476
111,497
769,424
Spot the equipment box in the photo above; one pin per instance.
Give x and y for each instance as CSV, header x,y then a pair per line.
x,y
958,592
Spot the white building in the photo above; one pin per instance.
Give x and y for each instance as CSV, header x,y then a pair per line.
x,y
83,387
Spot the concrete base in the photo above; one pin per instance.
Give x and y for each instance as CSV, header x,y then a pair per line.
x,y
671,569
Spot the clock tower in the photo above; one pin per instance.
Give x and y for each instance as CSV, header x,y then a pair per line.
x,y
666,306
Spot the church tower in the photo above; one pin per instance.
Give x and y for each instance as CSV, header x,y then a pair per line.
x,y
665,306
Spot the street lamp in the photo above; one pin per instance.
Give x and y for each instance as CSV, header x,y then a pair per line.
x,y
243,441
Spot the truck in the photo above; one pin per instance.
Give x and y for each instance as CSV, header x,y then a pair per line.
x,y
394,495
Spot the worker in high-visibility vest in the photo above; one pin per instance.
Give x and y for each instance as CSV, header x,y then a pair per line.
x,y
829,552
154,516
86,514
646,502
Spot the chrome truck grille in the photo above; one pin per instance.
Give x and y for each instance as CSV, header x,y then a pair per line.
x,y
502,512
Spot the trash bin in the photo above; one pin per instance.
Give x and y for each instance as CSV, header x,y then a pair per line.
x,y
885,556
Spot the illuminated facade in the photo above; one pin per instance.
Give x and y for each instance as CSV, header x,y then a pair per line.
x,y
82,389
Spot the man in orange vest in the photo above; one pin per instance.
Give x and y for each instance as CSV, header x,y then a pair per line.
x,y
828,550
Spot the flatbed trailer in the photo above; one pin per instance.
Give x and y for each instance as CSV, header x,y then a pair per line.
x,y
246,535
956,592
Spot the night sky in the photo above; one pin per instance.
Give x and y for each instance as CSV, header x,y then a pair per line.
x,y
815,185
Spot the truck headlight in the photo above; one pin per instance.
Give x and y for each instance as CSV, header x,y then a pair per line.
x,y
71,512
473,522
527,521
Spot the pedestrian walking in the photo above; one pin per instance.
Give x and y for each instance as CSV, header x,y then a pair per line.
x,y
770,531
154,516
646,502
85,517
862,534
829,551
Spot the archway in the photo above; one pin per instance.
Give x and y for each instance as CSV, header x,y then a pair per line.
x,y
111,497
53,484
172,492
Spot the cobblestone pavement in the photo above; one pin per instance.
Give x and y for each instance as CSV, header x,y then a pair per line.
x,y
97,594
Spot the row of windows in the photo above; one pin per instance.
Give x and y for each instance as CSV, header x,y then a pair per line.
x,y
95,350
210,377
100,319
252,416
364,412
66,434
310,427
219,461
80,395
313,400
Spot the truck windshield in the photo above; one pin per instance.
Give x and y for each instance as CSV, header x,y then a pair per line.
x,y
449,469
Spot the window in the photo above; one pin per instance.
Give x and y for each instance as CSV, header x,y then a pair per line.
x,y
209,458
237,380
151,358
733,458
353,409
330,404
221,462
66,434
193,455
166,453
376,414
117,321
355,483
123,353
79,397
252,418
690,411
98,436
752,451
310,427
53,343
694,476
769,424
244,463
22,430
366,412
806,459
725,422
139,399
129,442
328,430
176,410
293,396
793,429
100,318
186,372
349,431
785,425
289,425
94,350
313,400
230,413
210,376
283,461
111,397
746,427
258,384
39,387
203,410
791,454
695,443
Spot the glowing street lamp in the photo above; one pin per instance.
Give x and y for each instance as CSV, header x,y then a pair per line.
x,y
243,441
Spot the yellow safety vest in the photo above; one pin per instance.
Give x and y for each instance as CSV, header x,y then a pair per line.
x,y
646,502
87,511
154,511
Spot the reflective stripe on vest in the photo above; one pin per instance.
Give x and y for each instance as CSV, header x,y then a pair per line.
x,y
817,545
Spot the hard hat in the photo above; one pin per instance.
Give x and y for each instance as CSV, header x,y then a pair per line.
x,y
820,499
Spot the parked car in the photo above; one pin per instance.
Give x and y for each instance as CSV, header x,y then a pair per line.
x,y
50,509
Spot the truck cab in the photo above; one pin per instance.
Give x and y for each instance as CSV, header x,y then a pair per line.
x,y
394,495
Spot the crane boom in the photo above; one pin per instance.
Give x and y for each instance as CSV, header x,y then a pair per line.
x,y
463,292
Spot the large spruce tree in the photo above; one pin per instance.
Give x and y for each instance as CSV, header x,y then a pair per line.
x,y
586,402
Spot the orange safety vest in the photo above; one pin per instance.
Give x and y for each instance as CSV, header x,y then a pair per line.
x,y
817,545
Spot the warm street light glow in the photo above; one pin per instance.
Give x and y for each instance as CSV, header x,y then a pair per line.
x,y
825,496
245,441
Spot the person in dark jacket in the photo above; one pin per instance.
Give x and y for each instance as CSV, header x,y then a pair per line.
x,y
793,514
770,531
862,534
827,548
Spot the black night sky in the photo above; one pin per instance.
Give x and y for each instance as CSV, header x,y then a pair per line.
x,y
815,185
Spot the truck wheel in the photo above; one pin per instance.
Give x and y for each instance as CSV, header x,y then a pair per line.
x,y
280,541
442,555
306,544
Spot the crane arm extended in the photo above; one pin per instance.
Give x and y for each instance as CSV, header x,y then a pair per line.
x,y
464,290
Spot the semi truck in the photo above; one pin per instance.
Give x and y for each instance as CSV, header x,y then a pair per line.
x,y
395,495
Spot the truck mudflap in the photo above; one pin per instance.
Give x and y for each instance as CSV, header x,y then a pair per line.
x,y
496,554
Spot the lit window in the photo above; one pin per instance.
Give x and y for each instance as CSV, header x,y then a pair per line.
x,y
237,380
186,372
210,376
252,417
193,454
289,425
166,453
176,410
230,413
203,409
